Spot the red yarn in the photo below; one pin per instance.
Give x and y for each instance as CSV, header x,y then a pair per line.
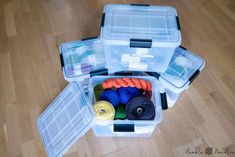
x,y
127,82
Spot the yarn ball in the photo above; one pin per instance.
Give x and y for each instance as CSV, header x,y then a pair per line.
x,y
110,96
104,110
127,93
120,112
140,108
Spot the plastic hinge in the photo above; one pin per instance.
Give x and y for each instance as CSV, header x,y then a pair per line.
x,y
164,101
141,43
102,20
195,74
123,128
154,74
139,4
61,60
178,23
84,39
183,47
99,72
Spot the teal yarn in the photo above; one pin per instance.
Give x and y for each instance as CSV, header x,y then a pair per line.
x,y
110,96
127,93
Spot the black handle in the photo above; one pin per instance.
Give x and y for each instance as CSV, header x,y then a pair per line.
x,y
99,72
123,128
102,20
84,39
178,23
183,47
139,4
61,61
123,73
192,78
154,74
141,43
164,101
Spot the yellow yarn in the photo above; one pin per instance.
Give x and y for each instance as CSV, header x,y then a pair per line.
x,y
104,110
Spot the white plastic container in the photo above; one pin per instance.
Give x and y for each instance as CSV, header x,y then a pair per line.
x,y
139,37
71,115
184,67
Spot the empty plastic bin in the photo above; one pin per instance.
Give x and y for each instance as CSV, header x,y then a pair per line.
x,y
71,115
184,67
139,37
82,59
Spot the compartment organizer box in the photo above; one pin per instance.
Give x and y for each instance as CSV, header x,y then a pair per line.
x,y
140,41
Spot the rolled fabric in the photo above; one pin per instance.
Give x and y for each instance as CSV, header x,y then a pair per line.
x,y
104,110
110,96
127,82
140,108
127,93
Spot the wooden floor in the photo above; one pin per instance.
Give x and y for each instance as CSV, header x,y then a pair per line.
x,y
30,78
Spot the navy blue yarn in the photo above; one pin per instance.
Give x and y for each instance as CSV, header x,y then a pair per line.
x,y
144,104
127,93
110,96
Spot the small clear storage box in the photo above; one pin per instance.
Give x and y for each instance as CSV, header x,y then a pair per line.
x,y
184,67
139,37
71,115
81,59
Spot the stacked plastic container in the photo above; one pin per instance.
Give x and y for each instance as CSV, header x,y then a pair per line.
x,y
141,39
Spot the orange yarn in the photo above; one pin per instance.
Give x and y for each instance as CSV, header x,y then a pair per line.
x,y
127,82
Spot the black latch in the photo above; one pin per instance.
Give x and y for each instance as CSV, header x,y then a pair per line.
x,y
164,101
123,73
139,4
141,43
178,23
154,74
183,47
99,72
192,78
84,39
102,20
123,128
61,60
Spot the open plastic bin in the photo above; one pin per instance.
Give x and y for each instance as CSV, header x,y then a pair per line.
x,y
184,67
82,59
71,115
139,37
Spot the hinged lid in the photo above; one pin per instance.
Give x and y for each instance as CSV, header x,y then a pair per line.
x,y
81,58
66,119
158,24
182,70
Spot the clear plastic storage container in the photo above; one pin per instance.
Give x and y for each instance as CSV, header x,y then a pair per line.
x,y
184,67
139,37
71,115
81,59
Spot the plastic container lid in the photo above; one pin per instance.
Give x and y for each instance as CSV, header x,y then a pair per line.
x,y
125,22
66,119
183,68
79,58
